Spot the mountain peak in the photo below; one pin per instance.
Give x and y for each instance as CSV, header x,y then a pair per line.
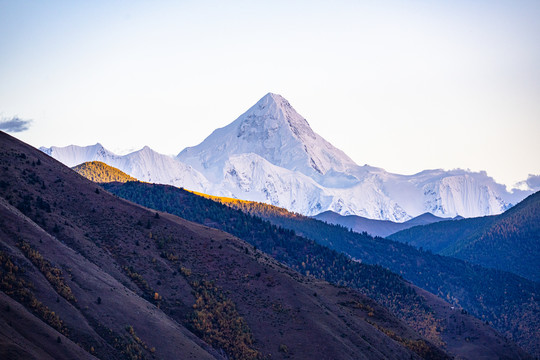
x,y
72,155
273,130
272,96
271,113
270,99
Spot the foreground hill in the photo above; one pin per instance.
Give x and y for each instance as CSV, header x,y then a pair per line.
x,y
508,302
100,172
448,326
510,241
100,277
381,228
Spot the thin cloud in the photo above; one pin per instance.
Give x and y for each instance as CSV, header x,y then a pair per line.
x,y
15,124
533,181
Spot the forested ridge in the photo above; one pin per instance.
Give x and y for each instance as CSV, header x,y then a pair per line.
x,y
439,236
510,241
506,301
304,255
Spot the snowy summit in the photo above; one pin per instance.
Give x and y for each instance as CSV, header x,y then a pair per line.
x,y
271,154
273,130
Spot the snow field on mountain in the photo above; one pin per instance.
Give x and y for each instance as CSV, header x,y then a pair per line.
x,y
270,154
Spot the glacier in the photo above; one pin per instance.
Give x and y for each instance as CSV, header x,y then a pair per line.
x,y
270,154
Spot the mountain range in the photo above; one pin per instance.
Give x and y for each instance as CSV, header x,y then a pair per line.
x,y
509,241
373,227
270,154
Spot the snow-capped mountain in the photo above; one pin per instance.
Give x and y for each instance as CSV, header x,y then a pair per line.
x,y
145,164
271,154
73,155
273,130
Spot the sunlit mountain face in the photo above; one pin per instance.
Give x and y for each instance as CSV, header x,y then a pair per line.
x,y
270,154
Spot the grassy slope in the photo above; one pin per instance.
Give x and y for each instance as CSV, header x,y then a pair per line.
x,y
150,285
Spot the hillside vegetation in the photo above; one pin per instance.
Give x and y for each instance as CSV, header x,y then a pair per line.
x,y
510,241
100,172
310,257
439,236
508,302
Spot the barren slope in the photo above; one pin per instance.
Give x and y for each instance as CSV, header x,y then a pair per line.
x,y
124,282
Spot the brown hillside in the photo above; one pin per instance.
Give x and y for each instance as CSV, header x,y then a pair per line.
x,y
507,302
125,282
461,334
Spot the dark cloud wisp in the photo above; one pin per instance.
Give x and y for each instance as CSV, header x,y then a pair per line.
x,y
15,124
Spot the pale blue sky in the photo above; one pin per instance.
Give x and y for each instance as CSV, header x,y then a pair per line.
x,y
403,85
